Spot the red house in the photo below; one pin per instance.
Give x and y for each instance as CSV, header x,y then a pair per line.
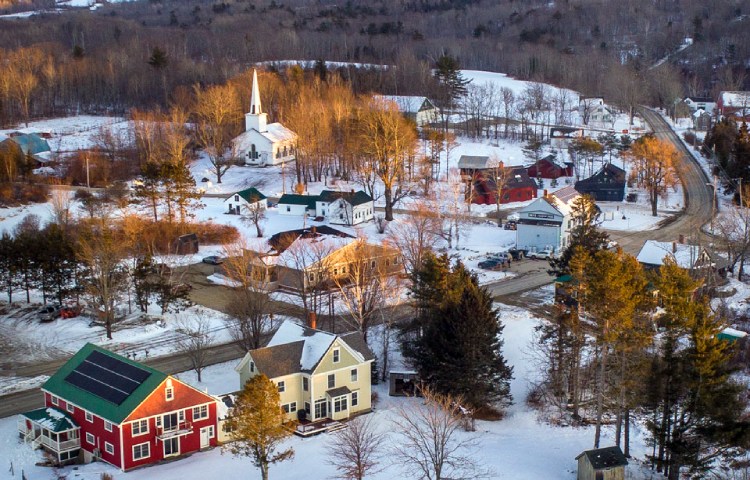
x,y
481,173
548,168
102,406
735,105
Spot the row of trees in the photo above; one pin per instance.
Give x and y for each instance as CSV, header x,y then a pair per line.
x,y
611,356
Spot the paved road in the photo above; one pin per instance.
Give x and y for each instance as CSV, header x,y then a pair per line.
x,y
699,201
26,400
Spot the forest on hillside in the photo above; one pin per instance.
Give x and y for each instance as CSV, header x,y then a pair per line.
x,y
140,53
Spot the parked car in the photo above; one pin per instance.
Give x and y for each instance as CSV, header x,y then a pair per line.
x,y
489,264
213,260
510,225
49,313
517,253
70,311
545,254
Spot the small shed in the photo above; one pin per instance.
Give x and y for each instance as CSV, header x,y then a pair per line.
x,y
402,383
602,464
186,244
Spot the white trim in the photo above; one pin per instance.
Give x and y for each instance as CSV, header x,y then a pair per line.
x,y
200,417
336,354
89,416
92,440
354,375
281,385
164,447
354,394
169,393
54,400
70,407
111,447
140,432
107,423
148,451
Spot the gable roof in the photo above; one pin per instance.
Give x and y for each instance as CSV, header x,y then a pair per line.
x,y
298,349
700,99
282,240
654,253
603,458
408,103
609,173
58,385
354,198
30,143
562,199
477,162
251,195
518,178
295,199
276,132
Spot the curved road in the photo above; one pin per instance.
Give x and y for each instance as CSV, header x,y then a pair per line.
x,y
699,201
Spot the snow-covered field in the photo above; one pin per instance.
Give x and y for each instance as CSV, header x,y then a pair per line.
x,y
516,448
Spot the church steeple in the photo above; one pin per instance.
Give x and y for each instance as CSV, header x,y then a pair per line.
x,y
255,119
255,96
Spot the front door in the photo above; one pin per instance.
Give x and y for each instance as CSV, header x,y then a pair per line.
x,y
321,409
205,437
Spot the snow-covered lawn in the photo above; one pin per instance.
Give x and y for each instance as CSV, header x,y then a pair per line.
x,y
516,448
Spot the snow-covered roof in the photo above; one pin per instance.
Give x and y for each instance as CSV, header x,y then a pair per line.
x,y
406,103
563,199
735,99
305,252
733,332
316,342
654,253
277,132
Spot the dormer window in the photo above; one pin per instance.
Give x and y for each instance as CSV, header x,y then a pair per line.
x,y
169,391
236,198
336,355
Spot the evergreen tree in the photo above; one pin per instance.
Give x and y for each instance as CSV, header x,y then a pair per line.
x,y
458,349
585,234
448,73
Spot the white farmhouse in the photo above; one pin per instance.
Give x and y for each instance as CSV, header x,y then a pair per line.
x,y
344,208
244,199
298,205
263,143
546,222
419,109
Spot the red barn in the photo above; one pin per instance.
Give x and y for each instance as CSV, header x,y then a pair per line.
x,y
548,168
102,406
480,174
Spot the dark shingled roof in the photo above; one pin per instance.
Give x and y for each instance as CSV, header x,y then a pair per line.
x,y
294,199
354,198
357,342
603,458
279,360
337,392
282,240
251,195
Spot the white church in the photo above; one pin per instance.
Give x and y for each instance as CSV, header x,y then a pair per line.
x,y
263,143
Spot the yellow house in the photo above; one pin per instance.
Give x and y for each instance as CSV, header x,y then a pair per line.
x,y
320,375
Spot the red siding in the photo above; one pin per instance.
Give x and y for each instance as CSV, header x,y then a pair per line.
x,y
95,428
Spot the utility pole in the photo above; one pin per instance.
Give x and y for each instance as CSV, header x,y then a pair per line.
x,y
88,178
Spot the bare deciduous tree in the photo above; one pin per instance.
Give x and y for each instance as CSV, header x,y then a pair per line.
x,y
218,115
430,445
195,338
415,234
254,215
357,450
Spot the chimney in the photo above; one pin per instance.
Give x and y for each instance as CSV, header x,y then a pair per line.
x,y
674,247
312,320
545,193
682,239
314,229
352,190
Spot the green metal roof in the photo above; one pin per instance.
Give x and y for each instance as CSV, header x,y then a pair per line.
x,y
53,419
57,386
564,278
31,143
294,199
251,195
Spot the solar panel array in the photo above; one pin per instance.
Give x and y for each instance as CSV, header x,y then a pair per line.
x,y
107,377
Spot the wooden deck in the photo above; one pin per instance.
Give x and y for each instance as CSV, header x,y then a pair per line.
x,y
306,428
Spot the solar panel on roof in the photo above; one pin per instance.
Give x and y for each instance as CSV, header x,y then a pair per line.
x,y
107,377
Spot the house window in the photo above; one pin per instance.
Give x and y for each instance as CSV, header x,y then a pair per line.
x,y
290,407
172,446
252,366
331,380
236,198
307,407
90,438
312,277
305,384
141,450
288,209
336,355
69,407
355,399
140,427
354,374
89,417
107,426
169,393
55,400
109,448
339,404
281,386
211,432
199,413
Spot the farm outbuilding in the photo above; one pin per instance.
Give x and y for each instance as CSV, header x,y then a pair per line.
x,y
602,464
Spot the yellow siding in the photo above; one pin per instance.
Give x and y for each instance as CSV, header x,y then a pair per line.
x,y
346,359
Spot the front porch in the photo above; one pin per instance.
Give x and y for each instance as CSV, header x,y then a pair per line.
x,y
307,428
53,430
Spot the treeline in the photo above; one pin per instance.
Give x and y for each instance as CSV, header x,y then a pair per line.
x,y
136,54
730,144
628,345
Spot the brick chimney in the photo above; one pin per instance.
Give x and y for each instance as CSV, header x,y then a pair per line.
x,y
545,193
312,320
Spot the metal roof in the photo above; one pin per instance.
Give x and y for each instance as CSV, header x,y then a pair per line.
x,y
53,419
